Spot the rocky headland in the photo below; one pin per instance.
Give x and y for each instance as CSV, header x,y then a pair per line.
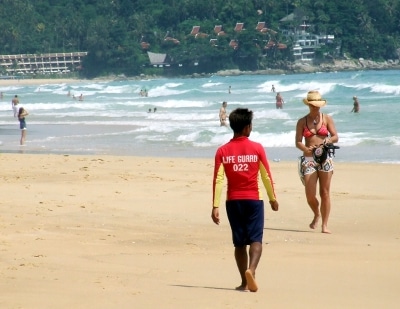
x,y
309,67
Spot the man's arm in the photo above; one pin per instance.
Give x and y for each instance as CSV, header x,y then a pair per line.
x,y
218,181
266,178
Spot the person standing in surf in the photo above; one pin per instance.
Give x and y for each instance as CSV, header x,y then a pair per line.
x,y
22,113
356,105
223,114
279,101
14,105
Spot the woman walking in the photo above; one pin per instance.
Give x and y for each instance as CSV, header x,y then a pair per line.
x,y
316,129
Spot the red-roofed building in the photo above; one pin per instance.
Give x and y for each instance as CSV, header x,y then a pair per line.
x,y
239,27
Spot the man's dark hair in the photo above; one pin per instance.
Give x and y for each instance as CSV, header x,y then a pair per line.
x,y
239,119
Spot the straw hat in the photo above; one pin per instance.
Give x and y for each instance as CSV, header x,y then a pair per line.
x,y
314,98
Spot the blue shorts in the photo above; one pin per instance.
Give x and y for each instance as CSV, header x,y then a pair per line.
x,y
246,218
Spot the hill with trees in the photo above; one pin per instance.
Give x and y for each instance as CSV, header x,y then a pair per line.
x,y
118,33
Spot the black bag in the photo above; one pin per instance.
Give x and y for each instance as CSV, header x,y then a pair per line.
x,y
321,153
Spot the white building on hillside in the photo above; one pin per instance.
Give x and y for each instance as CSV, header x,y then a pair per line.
x,y
305,43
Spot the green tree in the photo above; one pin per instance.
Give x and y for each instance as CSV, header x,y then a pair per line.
x,y
111,31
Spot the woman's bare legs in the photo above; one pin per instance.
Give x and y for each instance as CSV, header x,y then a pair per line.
x,y
324,192
23,137
310,181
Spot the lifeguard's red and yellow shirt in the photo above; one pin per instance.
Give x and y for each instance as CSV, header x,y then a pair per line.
x,y
242,161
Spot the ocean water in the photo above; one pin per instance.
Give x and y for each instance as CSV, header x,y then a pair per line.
x,y
114,119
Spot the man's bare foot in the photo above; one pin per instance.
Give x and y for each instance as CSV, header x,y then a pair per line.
x,y
325,230
314,223
242,287
251,281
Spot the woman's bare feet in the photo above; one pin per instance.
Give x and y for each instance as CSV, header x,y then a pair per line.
x,y
325,230
314,223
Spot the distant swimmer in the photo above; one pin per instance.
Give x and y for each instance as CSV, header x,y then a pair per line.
x,y
14,105
356,105
229,90
273,88
223,115
143,92
81,97
155,109
279,101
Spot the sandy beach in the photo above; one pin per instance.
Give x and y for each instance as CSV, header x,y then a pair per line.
x,y
135,232
40,81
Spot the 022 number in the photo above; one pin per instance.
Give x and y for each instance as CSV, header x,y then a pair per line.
x,y
241,167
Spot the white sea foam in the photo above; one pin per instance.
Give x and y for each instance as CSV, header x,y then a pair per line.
x,y
164,91
114,116
211,84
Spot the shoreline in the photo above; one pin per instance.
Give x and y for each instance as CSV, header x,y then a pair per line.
x,y
291,68
38,81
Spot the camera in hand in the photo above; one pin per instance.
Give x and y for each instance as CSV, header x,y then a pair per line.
x,y
321,153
